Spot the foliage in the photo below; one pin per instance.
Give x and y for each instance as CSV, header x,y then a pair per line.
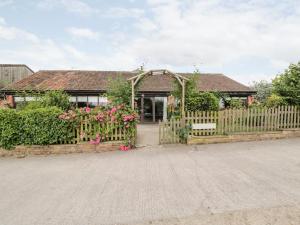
x,y
40,126
9,128
190,86
204,101
195,100
59,99
31,105
235,104
106,120
263,90
183,133
275,101
287,84
119,91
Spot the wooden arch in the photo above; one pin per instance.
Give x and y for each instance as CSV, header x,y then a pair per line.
x,y
181,79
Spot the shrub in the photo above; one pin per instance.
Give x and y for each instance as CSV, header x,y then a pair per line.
x,y
40,126
275,101
119,91
204,101
32,105
59,99
235,104
105,120
43,126
9,128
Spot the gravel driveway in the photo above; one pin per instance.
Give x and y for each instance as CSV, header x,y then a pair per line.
x,y
237,183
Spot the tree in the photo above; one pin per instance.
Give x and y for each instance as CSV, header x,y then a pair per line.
x,y
195,100
287,84
263,90
119,91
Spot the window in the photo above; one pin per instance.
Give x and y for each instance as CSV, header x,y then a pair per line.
x,y
93,100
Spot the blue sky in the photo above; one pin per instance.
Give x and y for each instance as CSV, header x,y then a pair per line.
x,y
247,40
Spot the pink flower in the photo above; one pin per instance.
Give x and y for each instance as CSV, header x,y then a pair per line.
x,y
96,141
113,118
100,117
113,110
128,118
87,109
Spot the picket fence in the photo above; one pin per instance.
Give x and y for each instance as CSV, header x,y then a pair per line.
x,y
86,131
231,121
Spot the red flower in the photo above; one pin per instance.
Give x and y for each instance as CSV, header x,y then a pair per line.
x,y
124,148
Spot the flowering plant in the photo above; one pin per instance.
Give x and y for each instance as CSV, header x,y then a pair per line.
x,y
104,121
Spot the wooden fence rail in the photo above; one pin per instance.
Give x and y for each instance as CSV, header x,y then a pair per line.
x,y
232,121
86,131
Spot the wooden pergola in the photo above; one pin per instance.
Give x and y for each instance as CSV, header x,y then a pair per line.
x,y
181,79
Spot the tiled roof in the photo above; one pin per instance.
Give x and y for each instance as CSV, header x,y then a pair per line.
x,y
78,80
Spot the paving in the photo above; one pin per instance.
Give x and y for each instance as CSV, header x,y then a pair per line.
x,y
147,135
236,183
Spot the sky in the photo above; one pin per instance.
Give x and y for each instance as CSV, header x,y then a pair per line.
x,y
247,40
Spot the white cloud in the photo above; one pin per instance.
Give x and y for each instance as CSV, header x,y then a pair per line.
x,y
73,6
83,33
217,33
13,33
124,12
20,46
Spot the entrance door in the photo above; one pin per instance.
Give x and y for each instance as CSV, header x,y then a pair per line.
x,y
148,110
151,109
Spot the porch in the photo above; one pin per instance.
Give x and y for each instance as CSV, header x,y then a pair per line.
x,y
152,107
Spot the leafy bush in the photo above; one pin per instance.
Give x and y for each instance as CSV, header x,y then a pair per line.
x,y
275,101
9,128
119,91
105,120
205,101
40,126
59,99
235,104
32,105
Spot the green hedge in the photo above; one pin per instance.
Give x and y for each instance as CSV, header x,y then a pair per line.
x,y
9,128
40,126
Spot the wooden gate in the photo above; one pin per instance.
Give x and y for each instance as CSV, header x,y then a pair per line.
x,y
169,131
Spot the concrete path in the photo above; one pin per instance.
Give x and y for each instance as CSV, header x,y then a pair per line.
x,y
147,135
236,184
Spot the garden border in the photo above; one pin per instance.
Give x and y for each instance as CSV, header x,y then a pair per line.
x,y
23,151
241,137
